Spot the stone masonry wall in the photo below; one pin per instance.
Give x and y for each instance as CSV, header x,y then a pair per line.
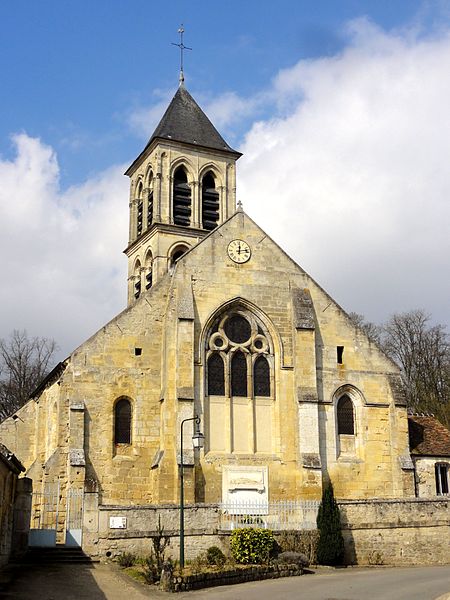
x,y
389,532
396,532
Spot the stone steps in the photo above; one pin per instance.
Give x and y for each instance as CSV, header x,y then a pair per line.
x,y
57,554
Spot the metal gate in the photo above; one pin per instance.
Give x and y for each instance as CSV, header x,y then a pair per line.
x,y
44,516
74,517
46,508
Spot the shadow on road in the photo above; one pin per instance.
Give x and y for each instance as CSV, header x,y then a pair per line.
x,y
49,582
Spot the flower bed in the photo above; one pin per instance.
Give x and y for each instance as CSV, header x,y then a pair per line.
x,y
241,574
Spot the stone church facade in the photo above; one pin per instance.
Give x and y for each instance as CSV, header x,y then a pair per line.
x,y
220,323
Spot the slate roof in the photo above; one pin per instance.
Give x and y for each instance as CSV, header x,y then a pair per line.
x,y
427,436
184,121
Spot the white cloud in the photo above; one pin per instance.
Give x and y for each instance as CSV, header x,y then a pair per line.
x,y
350,176
63,274
353,179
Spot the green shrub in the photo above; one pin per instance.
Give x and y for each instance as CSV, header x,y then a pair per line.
x,y
251,546
126,559
215,556
293,558
330,548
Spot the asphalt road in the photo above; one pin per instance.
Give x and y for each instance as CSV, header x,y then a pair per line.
x,y
105,582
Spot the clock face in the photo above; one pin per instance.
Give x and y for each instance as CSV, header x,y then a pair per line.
x,y
239,251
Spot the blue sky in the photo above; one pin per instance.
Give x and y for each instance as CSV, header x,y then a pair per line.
x,y
340,109
72,71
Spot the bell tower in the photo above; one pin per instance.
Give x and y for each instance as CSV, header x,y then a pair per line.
x,y
182,185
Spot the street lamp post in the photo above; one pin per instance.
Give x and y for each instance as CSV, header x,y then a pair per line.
x,y
197,442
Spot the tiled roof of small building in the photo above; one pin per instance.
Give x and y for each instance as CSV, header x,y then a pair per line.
x,y
427,436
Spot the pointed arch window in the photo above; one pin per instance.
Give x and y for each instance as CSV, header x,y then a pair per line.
x,y
150,201
140,209
261,377
149,271
137,280
181,198
239,375
239,384
122,422
210,202
345,416
216,375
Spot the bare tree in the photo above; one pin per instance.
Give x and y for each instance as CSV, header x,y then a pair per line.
x,y
422,351
372,331
24,362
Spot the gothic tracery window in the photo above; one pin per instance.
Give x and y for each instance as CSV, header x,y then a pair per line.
x,y
239,383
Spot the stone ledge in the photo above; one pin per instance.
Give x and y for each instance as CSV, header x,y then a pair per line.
x,y
237,575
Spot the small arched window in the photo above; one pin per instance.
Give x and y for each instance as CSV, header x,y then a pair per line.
x,y
210,202
261,377
216,376
345,416
239,374
181,198
122,422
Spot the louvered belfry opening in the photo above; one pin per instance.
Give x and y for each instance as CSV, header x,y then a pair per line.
x,y
140,214
345,418
181,198
150,209
122,422
210,203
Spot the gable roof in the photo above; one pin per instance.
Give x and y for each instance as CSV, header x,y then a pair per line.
x,y
427,436
184,121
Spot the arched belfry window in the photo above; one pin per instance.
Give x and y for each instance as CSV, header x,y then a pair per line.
x,y
140,209
175,254
345,416
239,383
137,280
210,202
150,200
148,270
122,422
181,198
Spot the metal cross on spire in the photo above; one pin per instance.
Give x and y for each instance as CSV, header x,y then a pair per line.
x,y
182,47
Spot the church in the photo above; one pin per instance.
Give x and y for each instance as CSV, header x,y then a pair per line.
x,y
221,324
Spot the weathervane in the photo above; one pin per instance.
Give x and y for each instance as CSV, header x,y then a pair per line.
x,y
182,47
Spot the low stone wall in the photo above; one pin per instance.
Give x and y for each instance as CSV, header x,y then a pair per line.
x,y
389,532
238,575
396,532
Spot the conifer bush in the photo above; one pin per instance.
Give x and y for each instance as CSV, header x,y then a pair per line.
x,y
330,548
